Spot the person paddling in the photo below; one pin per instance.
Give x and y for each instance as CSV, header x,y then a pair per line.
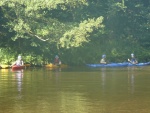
x,y
18,62
133,59
57,61
102,61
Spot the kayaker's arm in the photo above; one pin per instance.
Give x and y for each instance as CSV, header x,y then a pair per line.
x,y
13,64
102,61
132,62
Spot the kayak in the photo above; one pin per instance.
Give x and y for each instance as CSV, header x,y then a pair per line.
x,y
108,65
139,64
118,64
56,66
15,67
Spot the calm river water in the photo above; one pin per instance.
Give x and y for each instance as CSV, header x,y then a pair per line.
x,y
75,90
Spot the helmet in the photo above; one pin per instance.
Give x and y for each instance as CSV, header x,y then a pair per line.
x,y
19,57
56,56
104,56
132,55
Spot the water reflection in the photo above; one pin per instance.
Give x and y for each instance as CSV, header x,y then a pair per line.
x,y
4,71
57,76
103,90
53,69
103,75
19,77
73,102
131,79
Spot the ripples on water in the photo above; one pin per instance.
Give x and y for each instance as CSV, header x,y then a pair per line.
x,y
75,90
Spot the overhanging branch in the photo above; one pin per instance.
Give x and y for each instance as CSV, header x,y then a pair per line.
x,y
37,36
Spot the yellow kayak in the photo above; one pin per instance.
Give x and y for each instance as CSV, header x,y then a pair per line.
x,y
56,66
3,66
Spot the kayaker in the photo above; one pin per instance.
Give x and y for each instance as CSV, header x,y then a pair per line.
x,y
102,61
18,62
133,59
57,61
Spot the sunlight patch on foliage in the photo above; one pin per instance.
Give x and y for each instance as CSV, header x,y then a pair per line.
x,y
28,17
78,35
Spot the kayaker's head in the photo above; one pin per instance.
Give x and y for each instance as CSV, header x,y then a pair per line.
x,y
56,56
19,57
103,56
132,55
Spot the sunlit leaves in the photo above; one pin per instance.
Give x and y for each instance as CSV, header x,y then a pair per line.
x,y
78,35
34,44
21,25
2,2
25,14
115,7
42,32
5,56
42,4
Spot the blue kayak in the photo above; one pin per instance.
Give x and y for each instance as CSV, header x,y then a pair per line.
x,y
139,64
108,65
118,64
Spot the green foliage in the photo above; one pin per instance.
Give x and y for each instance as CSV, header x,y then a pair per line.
x,y
6,57
28,17
78,35
79,31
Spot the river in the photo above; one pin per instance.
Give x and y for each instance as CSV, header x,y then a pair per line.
x,y
75,90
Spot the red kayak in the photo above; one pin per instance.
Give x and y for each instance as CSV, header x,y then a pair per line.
x,y
15,67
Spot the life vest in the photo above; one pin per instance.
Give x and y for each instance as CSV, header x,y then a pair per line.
x,y
19,62
133,60
56,60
